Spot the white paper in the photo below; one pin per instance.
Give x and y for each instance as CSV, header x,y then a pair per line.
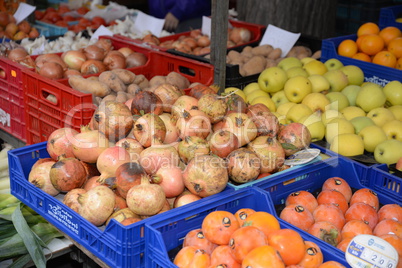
x,y
206,26
145,23
279,38
102,30
23,11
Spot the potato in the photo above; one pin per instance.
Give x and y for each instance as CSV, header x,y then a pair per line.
x,y
247,49
157,80
113,81
141,81
178,80
247,55
233,55
292,52
270,63
262,50
121,96
133,88
275,53
316,55
254,66
125,75
95,87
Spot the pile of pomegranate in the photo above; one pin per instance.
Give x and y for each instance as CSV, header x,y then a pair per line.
x,y
164,148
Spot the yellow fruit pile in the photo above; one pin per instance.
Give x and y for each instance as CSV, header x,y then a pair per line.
x,y
335,104
383,47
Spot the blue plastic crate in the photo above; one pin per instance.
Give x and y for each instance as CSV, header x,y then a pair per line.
x,y
48,30
164,236
388,16
375,73
388,183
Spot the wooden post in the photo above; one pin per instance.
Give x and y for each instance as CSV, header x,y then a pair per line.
x,y
219,29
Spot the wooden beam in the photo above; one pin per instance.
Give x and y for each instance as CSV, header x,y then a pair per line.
x,y
219,29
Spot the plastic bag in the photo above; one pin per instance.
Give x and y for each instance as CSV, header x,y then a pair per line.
x,y
110,13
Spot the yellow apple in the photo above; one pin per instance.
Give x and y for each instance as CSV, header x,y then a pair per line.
x,y
333,64
348,144
235,90
393,129
306,60
272,79
354,74
266,101
250,88
315,126
361,122
284,108
318,83
289,62
297,111
370,96
388,152
372,136
255,94
351,91
330,114
380,115
397,111
281,118
296,88
316,101
279,98
337,80
337,126
338,101
393,93
315,67
351,112
296,71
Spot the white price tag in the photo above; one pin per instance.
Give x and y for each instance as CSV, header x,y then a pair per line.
x,y
102,30
144,23
23,11
279,38
206,26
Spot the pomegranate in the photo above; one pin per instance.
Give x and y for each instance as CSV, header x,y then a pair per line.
x,y
242,126
91,183
205,175
149,128
223,142
193,123
120,203
128,175
59,142
158,155
197,90
169,94
236,104
270,151
122,214
170,178
89,144
146,102
42,160
244,165
71,198
40,177
146,198
294,137
214,106
97,204
110,160
267,123
191,146
185,198
133,147
67,174
172,133
183,103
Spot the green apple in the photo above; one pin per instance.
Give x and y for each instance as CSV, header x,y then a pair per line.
x,y
289,62
393,129
354,74
296,71
316,101
315,126
330,114
388,152
284,108
306,60
393,93
370,96
338,101
337,80
267,101
337,126
251,87
380,116
272,79
372,136
255,94
351,112
297,111
315,67
351,91
397,111
333,64
296,88
279,98
348,144
235,90
361,122
319,83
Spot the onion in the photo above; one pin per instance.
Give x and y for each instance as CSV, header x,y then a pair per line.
x,y
125,51
93,52
104,43
114,60
51,70
170,178
136,59
40,177
203,41
70,72
50,57
74,59
93,67
240,35
17,54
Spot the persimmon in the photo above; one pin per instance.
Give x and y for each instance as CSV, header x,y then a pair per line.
x,y
242,214
313,256
298,216
343,245
218,225
184,257
389,33
304,198
197,239
368,28
385,58
355,227
222,256
201,259
390,211
331,264
289,244
245,239
333,196
371,44
264,221
364,212
326,231
388,226
331,213
395,47
395,241
367,196
262,257
339,184
347,48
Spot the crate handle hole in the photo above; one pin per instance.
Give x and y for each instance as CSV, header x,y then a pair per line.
x,y
50,97
2,73
186,70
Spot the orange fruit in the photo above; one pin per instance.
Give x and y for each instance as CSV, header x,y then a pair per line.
x,y
368,28
347,48
362,56
371,44
359,42
389,33
385,58
399,64
395,46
